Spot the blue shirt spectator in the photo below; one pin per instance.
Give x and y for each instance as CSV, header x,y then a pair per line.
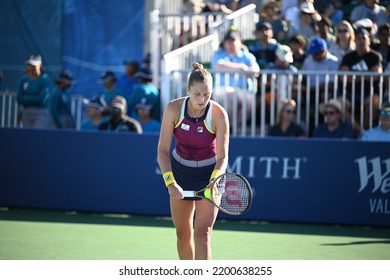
x,y
108,79
334,126
127,81
382,131
145,89
60,101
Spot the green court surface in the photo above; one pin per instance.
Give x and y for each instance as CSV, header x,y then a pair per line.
x,y
53,235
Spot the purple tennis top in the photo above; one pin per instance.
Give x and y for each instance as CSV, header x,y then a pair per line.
x,y
195,137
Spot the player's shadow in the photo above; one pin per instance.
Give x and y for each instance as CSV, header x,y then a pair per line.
x,y
358,243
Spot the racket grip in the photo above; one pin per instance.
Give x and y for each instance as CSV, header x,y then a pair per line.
x,y
188,193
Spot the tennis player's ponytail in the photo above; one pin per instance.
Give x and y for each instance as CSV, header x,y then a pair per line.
x,y
199,74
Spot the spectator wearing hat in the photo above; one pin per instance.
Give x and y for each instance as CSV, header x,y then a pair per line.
x,y
33,94
265,46
232,55
382,131
372,10
127,81
119,121
334,125
108,80
95,108
60,101
363,59
144,111
305,21
283,64
145,89
320,59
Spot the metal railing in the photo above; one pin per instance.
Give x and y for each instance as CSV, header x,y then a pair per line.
x,y
10,111
170,32
252,100
252,106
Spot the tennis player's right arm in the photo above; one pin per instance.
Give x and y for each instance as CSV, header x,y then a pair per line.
x,y
164,148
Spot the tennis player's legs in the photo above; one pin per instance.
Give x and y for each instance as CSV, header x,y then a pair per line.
x,y
205,217
182,212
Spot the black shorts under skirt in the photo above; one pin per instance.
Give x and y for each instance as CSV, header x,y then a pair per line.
x,y
191,178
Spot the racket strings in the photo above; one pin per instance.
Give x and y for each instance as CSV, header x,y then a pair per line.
x,y
234,194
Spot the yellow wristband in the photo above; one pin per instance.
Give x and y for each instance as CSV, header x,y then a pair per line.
x,y
215,174
168,178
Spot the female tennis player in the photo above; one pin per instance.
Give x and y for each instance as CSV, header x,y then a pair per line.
x,y
200,127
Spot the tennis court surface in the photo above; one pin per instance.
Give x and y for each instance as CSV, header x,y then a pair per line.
x,y
52,235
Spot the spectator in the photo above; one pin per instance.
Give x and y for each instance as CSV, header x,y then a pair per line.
x,y
33,94
383,45
60,101
146,61
284,58
145,89
270,12
285,121
334,12
233,56
264,47
305,22
127,81
298,46
119,121
95,108
225,6
320,59
144,111
325,31
345,40
382,131
372,10
363,59
108,79
334,126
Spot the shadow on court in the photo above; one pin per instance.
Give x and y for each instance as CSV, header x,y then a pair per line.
x,y
31,215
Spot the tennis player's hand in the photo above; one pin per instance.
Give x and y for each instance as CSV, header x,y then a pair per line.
x,y
175,191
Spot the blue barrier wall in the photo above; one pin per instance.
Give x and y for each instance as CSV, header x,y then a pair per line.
x,y
294,180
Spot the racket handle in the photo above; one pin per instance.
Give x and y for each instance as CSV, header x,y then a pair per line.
x,y
188,193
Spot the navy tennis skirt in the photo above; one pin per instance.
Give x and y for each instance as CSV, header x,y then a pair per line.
x,y
191,178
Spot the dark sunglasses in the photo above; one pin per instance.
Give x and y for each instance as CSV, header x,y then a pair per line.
x,y
342,30
329,113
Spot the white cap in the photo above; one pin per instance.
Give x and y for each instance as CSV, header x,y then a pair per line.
x,y
34,60
284,53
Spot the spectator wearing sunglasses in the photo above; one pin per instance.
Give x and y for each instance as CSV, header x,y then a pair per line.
x,y
345,40
119,121
334,125
285,121
382,131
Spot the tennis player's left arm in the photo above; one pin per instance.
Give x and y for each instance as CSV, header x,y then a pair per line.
x,y
221,128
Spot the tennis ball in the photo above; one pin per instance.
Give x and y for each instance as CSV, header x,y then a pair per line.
x,y
207,193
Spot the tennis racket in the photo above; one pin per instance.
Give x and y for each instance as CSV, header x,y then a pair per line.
x,y
230,192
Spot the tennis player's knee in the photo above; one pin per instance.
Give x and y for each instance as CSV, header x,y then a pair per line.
x,y
183,235
203,235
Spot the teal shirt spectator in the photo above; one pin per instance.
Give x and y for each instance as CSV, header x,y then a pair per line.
x,y
89,125
60,106
151,126
144,90
33,92
108,95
